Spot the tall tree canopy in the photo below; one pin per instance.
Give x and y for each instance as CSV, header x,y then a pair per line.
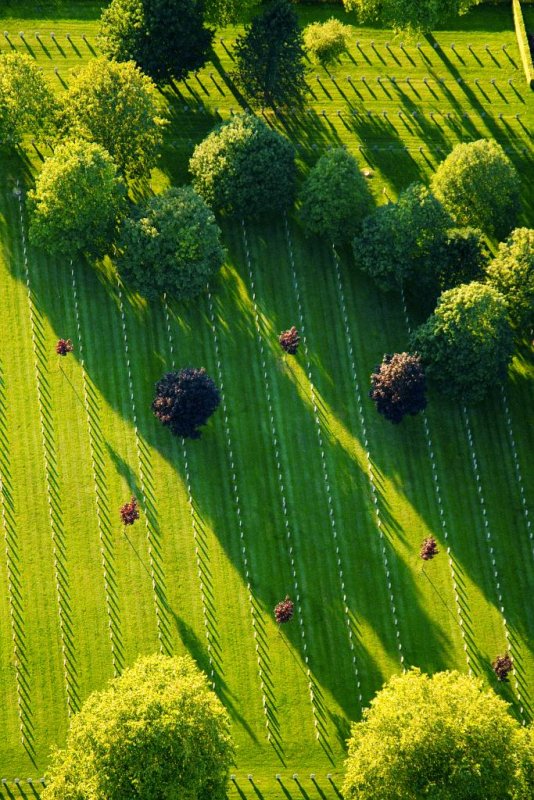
x,y
466,344
171,243
512,273
114,105
423,15
244,168
166,38
403,242
158,732
335,198
27,104
479,186
77,200
443,736
270,55
185,400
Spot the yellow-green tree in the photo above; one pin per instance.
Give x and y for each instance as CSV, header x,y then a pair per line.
x,y
512,273
77,200
158,732
114,104
422,15
443,737
27,104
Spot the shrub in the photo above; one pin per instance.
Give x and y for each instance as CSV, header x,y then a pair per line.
x,y
245,169
290,340
398,386
502,666
429,549
326,41
64,346
284,610
185,400
130,512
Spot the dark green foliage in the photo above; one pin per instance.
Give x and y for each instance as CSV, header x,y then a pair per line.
x,y
398,386
245,169
335,197
479,186
185,400
170,244
465,255
166,38
400,243
424,15
466,344
512,273
270,57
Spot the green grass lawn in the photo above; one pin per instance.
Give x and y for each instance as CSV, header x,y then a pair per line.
x,y
297,486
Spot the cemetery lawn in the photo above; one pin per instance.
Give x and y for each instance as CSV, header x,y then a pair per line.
x,y
296,486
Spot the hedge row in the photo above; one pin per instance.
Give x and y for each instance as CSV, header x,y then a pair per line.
x,y
522,41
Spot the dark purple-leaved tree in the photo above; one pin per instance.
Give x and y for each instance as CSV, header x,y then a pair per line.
x,y
130,512
398,386
284,610
185,400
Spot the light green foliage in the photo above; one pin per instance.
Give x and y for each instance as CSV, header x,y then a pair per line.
x,y
326,41
466,345
158,732
403,242
114,105
165,38
422,15
224,12
77,200
512,273
443,737
170,244
269,57
244,168
27,104
335,197
478,184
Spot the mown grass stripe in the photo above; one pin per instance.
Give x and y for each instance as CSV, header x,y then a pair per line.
x,y
100,494
320,441
70,662
157,580
517,468
281,484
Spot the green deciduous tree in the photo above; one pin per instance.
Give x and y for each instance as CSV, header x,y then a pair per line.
x,y
77,200
170,244
445,737
464,258
158,732
244,168
422,15
270,57
114,105
512,273
166,38
326,41
466,344
27,104
335,198
402,243
479,186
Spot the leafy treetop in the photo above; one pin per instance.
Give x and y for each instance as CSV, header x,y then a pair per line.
x,y
441,736
27,104
158,732
326,41
114,105
423,15
185,400
512,273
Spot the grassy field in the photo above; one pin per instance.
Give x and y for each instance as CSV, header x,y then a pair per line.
x,y
296,487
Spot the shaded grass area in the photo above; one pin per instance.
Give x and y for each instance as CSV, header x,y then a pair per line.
x,y
276,498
